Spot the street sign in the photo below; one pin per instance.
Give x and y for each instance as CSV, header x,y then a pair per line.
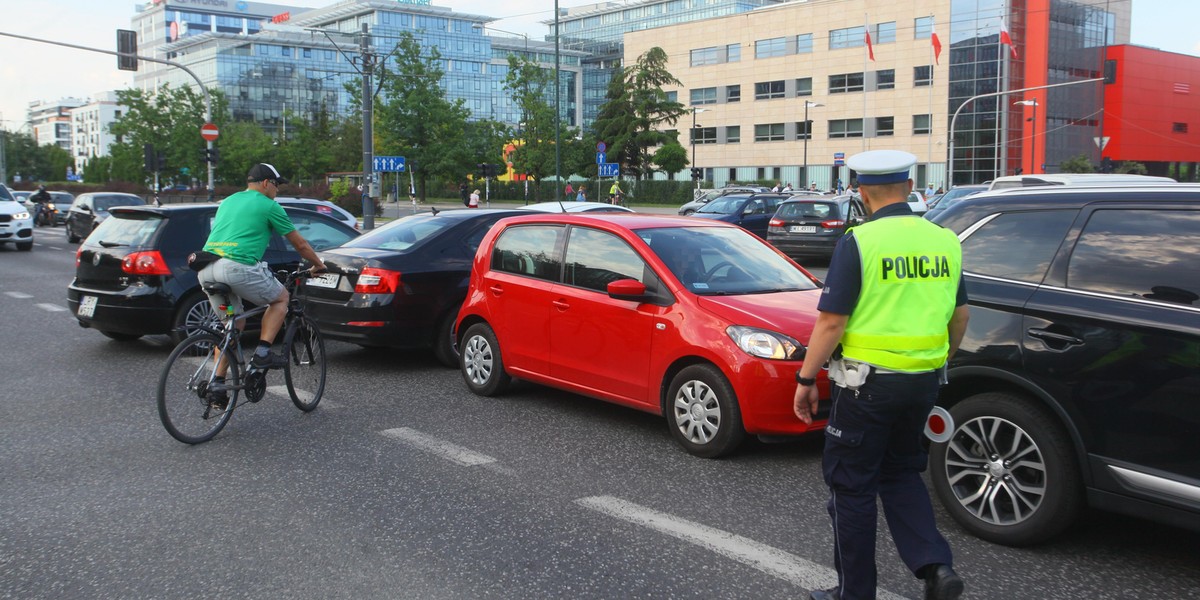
x,y
601,146
388,164
1101,142
601,158
839,158
609,169
209,132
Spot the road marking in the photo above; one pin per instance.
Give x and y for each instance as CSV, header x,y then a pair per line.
x,y
305,395
18,295
770,560
50,307
54,247
444,449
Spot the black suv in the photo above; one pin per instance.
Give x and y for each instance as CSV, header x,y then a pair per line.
x,y
1077,380
131,273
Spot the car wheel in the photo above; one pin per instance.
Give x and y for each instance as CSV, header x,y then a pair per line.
x,y
482,366
443,340
71,237
120,337
688,212
194,311
25,246
702,412
1008,474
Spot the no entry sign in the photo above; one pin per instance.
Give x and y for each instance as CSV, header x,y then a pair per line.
x,y
209,132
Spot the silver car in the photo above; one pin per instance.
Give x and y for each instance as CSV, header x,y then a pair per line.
x,y
707,195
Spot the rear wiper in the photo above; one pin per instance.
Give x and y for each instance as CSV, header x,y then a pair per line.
x,y
112,244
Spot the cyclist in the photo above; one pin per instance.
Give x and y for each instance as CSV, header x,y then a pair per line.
x,y
615,193
240,233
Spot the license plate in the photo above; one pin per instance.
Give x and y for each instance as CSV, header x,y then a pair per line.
x,y
324,280
87,306
803,229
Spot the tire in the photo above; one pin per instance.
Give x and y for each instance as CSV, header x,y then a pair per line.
x,y
688,212
703,413
71,237
193,311
24,246
481,362
1014,503
182,406
304,349
120,337
443,340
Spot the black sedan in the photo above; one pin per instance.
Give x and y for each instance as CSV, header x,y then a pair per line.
x,y
811,227
400,286
751,212
131,274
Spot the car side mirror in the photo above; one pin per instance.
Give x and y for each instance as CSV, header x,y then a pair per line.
x,y
86,209
627,289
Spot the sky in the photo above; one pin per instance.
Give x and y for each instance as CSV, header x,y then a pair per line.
x,y
32,71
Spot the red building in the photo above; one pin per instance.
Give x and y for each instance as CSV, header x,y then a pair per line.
x,y
1152,111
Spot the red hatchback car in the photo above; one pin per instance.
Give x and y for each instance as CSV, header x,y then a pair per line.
x,y
696,320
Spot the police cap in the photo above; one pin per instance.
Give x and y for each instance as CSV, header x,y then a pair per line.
x,y
877,167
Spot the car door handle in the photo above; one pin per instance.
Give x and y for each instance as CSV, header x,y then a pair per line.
x,y
496,290
561,304
1056,340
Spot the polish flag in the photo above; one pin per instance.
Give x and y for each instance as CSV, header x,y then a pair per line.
x,y
870,48
1007,39
937,44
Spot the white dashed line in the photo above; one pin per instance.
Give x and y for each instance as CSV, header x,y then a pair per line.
x,y
50,307
282,391
770,560
444,449
18,295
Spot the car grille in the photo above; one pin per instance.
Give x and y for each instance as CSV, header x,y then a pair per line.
x,y
5,218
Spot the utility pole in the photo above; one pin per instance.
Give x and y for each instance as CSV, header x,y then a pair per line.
x,y
368,99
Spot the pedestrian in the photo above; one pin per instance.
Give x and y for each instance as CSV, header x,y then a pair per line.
x,y
778,186
928,189
812,186
582,196
787,188
569,191
465,193
473,201
894,310
840,189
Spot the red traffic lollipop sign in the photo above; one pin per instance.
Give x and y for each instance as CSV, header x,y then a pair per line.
x,y
209,132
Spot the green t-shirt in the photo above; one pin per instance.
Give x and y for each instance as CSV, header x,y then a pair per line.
x,y
243,225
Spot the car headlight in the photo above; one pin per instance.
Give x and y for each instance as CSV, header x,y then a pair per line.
x,y
50,207
764,343
21,215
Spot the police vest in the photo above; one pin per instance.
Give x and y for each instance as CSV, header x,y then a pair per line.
x,y
910,274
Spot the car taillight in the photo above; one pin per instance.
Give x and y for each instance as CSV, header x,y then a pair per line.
x,y
775,222
377,281
145,263
78,251
833,224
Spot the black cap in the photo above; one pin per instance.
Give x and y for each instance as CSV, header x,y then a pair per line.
x,y
264,171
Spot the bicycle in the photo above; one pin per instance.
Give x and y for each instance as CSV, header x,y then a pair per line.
x,y
194,404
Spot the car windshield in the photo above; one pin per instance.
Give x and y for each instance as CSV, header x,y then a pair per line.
x,y
62,198
131,231
402,234
107,202
721,261
4,195
727,205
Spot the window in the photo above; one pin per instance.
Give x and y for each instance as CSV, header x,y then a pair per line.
x,y
885,80
923,76
884,33
733,53
846,82
921,125
922,28
846,128
804,86
1179,127
704,96
1017,246
672,96
704,56
850,37
885,126
771,132
765,90
598,258
1134,252
804,130
804,43
528,250
769,48
733,134
733,93
704,135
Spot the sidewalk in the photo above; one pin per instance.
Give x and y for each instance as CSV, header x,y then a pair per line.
x,y
395,210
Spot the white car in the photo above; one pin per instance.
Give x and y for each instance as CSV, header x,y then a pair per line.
x,y
917,203
575,207
321,206
16,224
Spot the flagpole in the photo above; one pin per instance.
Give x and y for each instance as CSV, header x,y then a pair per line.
x,y
867,32
1002,86
932,71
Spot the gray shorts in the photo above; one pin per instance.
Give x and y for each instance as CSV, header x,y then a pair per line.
x,y
254,284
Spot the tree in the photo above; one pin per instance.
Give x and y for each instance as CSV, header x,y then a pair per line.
x,y
1078,164
1132,168
32,162
530,87
170,120
671,157
635,112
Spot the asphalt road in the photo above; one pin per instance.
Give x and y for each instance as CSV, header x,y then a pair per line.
x,y
404,485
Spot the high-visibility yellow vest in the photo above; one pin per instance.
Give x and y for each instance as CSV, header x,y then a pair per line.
x,y
910,274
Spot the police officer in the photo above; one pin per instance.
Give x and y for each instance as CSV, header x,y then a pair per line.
x,y
892,312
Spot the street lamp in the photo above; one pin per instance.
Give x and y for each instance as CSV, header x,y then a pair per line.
x,y
694,111
1033,133
807,134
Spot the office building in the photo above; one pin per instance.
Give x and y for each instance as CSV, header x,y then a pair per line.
x,y
90,136
50,121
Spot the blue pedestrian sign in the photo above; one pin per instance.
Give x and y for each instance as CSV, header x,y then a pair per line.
x,y
388,164
609,169
601,158
839,158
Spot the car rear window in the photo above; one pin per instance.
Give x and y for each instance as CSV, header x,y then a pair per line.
x,y
811,210
404,233
132,231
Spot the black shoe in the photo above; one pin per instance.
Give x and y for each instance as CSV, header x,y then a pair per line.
x,y
942,583
270,361
218,399
829,594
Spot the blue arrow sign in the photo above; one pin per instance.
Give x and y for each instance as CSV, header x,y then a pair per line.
x,y
609,169
601,158
388,164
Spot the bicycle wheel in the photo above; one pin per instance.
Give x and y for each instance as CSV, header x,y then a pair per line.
x,y
189,412
304,349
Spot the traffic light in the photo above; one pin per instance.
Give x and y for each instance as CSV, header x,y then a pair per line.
x,y
149,158
483,170
210,155
697,173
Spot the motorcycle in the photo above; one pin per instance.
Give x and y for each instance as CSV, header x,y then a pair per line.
x,y
45,215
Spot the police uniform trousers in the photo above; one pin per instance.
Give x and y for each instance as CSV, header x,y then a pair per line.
x,y
873,447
